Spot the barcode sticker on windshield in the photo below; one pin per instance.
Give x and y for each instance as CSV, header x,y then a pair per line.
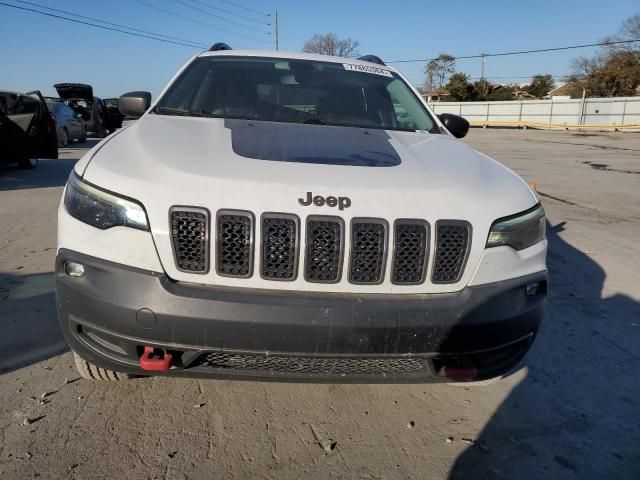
x,y
367,69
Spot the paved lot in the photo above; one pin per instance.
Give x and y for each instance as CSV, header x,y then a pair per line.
x,y
571,412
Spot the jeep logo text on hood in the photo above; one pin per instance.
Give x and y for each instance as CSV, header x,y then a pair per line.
x,y
320,201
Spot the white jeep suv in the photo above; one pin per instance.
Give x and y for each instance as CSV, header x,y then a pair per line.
x,y
294,216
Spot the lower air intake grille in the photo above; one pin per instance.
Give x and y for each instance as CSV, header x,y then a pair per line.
x,y
411,252
189,234
234,256
279,247
285,364
452,245
368,246
324,250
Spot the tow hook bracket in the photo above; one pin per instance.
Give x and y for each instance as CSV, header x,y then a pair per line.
x,y
155,363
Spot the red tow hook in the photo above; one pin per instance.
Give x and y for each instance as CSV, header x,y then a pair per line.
x,y
155,364
461,374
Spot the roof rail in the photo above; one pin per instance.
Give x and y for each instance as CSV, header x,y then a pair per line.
x,y
372,59
216,47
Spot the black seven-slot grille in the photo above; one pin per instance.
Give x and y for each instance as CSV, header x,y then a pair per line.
x,y
234,251
279,247
368,249
324,253
452,245
190,239
312,365
324,249
411,252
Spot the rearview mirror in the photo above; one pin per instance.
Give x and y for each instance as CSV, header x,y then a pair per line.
x,y
134,104
457,125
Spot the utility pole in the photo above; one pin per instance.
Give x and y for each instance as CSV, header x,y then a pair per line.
x,y
482,67
276,26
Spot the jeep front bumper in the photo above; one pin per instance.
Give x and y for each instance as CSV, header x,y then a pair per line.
x,y
112,312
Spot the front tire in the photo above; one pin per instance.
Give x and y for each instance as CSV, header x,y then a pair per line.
x,y
92,372
28,163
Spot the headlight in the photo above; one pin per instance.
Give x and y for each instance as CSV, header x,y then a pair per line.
x,y
519,231
100,208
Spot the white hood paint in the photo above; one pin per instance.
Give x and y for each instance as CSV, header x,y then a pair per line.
x,y
166,161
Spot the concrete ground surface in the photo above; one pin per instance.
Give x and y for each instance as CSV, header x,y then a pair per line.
x,y
570,412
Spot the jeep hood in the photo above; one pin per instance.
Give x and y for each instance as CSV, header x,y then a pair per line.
x,y
164,161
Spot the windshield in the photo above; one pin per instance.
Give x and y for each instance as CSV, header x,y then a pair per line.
x,y
295,91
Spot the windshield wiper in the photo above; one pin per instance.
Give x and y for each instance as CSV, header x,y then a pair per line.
x,y
314,121
181,112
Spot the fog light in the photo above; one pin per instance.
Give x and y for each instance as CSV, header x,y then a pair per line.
x,y
532,289
74,269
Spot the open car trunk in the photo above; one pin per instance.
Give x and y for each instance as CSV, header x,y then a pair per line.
x,y
75,91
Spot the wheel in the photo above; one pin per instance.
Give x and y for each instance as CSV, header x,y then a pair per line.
x,y
28,163
64,138
92,372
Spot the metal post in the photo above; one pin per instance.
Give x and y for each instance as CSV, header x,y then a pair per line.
x,y
276,27
551,113
520,113
624,110
583,106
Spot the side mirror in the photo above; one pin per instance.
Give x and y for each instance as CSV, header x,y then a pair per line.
x,y
457,125
134,104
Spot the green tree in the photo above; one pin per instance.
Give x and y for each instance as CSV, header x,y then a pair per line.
x,y
460,88
617,76
502,93
437,70
615,69
540,85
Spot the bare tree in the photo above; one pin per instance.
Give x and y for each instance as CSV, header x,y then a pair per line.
x,y
438,70
330,44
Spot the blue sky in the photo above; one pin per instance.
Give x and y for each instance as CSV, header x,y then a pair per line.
x,y
38,51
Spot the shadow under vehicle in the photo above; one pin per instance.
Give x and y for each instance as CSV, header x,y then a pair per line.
x,y
80,98
27,131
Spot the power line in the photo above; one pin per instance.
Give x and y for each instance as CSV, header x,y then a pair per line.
x,y
112,24
522,52
246,8
233,22
101,26
189,19
228,12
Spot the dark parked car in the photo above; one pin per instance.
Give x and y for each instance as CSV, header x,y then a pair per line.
x,y
27,131
69,124
114,117
80,98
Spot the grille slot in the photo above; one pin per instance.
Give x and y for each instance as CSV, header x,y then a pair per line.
x,y
368,251
190,239
452,246
279,247
324,249
234,252
286,364
411,251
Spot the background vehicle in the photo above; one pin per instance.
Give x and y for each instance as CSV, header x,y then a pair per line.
x,y
27,132
69,124
114,117
80,98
